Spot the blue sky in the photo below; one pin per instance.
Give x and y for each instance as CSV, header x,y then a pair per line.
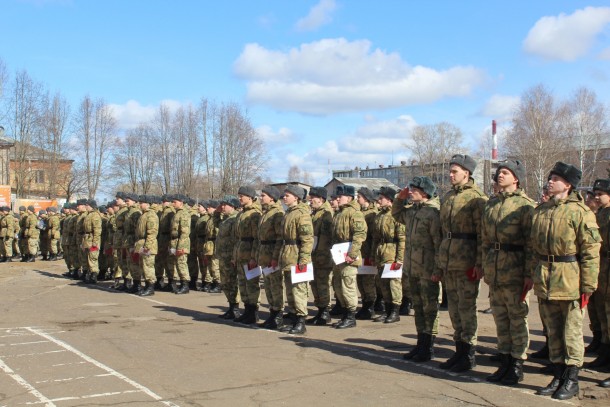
x,y
322,80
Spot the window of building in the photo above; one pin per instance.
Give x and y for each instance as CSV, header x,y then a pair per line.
x,y
39,176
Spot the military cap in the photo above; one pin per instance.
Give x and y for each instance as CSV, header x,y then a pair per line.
x,y
82,201
179,197
247,191
166,198
103,209
92,203
590,192
31,208
320,192
212,203
5,209
272,191
295,190
425,184
568,172
465,161
22,208
345,190
230,200
387,192
514,166
367,194
52,209
42,212
111,203
203,203
120,195
602,184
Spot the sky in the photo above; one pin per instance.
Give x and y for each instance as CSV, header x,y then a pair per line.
x,y
328,84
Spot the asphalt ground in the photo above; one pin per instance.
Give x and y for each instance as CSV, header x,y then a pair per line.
x,y
66,344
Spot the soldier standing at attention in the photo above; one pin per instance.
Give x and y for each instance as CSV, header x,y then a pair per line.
x,y
22,241
122,268
224,248
180,244
72,243
200,229
191,260
366,282
423,238
92,240
129,241
349,226
8,228
566,241
507,268
268,253
389,248
460,258
146,243
43,228
245,253
32,234
209,258
322,218
53,232
164,262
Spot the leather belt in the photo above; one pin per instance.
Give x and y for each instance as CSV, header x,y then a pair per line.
x,y
558,259
292,242
507,247
268,242
465,236
395,240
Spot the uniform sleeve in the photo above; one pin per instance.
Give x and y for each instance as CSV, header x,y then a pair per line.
x,y
184,225
305,236
398,207
277,229
96,226
436,232
152,230
358,232
526,225
400,233
589,241
255,221
477,218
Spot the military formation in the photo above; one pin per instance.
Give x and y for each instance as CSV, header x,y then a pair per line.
x,y
393,252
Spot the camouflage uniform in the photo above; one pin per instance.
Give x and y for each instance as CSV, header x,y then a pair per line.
x,y
146,244
32,234
246,231
22,241
268,250
191,259
367,282
164,263
53,233
92,240
602,304
389,246
181,244
322,219
200,229
224,247
564,227
122,269
8,228
111,257
72,250
129,240
507,262
211,233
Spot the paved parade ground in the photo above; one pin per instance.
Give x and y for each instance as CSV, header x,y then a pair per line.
x,y
66,344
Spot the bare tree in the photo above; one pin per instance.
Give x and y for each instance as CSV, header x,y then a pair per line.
x,y
185,149
136,159
52,141
72,183
162,132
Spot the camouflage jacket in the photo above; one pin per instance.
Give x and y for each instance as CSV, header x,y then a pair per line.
x,y
7,226
31,232
121,215
349,226
129,227
370,213
388,238
181,231
193,233
146,232
560,228
211,232
461,212
92,230
322,219
22,222
297,233
423,236
165,227
200,233
603,221
247,233
226,238
70,230
53,230
269,242
111,230
505,231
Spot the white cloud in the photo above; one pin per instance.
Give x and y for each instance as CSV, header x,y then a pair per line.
x,y
319,15
500,106
566,37
282,135
336,75
130,114
604,54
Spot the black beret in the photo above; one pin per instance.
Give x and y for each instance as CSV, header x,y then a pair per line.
x,y
388,192
179,197
568,172
92,203
602,184
121,195
345,190
247,191
320,192
272,191
22,208
425,184
52,209
132,196
82,201
166,198
103,209
212,203
465,161
42,212
514,166
230,200
295,190
367,194
31,208
203,203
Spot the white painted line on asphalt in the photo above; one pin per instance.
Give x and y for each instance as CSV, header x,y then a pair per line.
x,y
41,398
31,354
100,365
68,364
91,396
69,379
22,343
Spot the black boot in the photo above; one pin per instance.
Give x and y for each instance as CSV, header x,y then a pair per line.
x,y
379,305
514,374
426,349
467,361
594,345
381,316
31,258
252,316
215,288
123,286
316,318
605,383
299,327
169,287
205,287
279,320
348,322
44,257
175,287
93,278
459,350
544,352
569,385
24,258
231,313
498,375
270,322
68,273
193,284
292,320
405,306
184,287
558,370
246,314
366,312
603,357
3,259
411,354
136,287
9,259
158,285
337,309
393,315
149,290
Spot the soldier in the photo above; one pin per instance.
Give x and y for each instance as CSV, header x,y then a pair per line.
x,y
460,258
366,282
92,240
71,251
111,260
164,263
268,253
43,226
31,234
129,241
102,263
223,250
53,232
180,244
122,268
565,239
209,258
388,247
146,244
199,245
245,253
322,218
348,226
297,234
423,238
507,268
8,229
191,259
21,239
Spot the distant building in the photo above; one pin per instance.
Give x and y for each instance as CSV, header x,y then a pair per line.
x,y
357,183
5,147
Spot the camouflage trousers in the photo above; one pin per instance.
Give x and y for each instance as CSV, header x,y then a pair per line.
x,y
391,288
212,270
601,304
595,324
320,286
44,246
274,290
193,266
164,264
54,246
250,290
118,269
83,258
344,283
563,320
424,295
228,279
22,243
296,294
462,303
202,263
32,246
7,247
180,266
406,286
124,266
147,268
92,259
367,287
510,316
74,254
17,247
